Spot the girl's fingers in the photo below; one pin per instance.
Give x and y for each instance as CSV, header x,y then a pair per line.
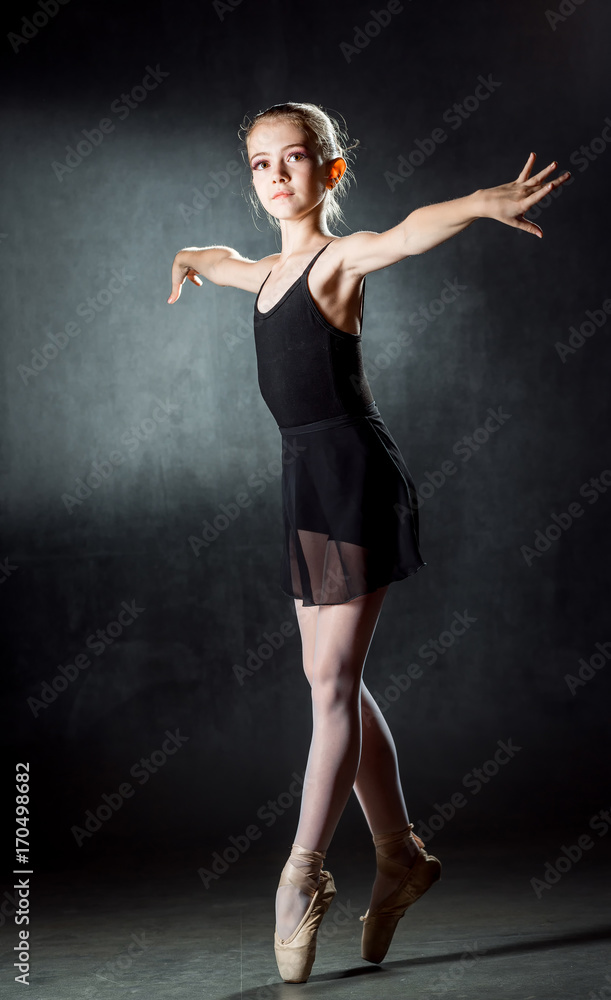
x,y
527,167
536,196
174,294
543,173
177,285
528,227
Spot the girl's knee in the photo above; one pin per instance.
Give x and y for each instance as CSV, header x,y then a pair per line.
x,y
331,689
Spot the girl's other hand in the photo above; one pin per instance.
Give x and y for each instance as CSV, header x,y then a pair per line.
x,y
508,202
180,272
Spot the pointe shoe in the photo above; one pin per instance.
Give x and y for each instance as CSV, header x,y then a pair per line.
x,y
379,926
295,954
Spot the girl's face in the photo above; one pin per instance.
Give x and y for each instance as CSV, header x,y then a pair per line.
x,y
288,174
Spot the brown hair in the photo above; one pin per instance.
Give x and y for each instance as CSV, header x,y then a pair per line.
x,y
327,136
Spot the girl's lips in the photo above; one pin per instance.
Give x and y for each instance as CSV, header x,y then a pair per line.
x,y
283,194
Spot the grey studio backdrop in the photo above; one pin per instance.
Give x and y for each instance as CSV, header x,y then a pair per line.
x,y
155,684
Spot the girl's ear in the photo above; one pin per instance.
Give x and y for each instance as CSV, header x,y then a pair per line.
x,y
337,171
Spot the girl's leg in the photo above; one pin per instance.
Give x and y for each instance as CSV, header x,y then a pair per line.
x,y
343,636
378,783
340,644
378,789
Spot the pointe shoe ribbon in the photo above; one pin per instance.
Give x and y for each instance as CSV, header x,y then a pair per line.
x,y
379,926
295,954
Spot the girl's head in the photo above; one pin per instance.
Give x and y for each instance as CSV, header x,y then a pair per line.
x,y
301,149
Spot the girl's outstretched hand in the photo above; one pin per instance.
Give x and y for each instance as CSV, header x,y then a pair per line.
x,y
508,202
180,272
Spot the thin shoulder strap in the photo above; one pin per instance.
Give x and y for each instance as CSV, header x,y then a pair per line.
x,y
307,271
264,280
316,256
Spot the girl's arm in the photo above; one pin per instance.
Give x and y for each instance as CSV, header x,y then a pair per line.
x,y
431,225
221,265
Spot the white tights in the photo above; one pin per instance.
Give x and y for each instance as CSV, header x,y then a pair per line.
x,y
352,746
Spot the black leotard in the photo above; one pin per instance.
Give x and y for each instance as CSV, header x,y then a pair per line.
x,y
307,369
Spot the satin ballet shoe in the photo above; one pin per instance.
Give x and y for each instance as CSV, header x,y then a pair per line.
x,y
295,954
380,925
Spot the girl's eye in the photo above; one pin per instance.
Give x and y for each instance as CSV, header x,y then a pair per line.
x,y
260,162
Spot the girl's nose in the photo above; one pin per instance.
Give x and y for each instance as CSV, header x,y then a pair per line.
x,y
280,173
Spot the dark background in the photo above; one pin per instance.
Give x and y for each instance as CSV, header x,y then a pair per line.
x,y
122,208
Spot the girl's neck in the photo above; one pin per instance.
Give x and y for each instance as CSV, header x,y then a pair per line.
x,y
300,238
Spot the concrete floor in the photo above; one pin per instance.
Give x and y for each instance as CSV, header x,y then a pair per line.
x,y
155,931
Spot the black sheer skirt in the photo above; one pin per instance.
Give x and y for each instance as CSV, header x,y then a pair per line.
x,y
349,508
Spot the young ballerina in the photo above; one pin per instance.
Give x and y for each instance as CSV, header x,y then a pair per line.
x,y
350,511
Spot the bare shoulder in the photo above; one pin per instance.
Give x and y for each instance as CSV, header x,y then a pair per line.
x,y
241,272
